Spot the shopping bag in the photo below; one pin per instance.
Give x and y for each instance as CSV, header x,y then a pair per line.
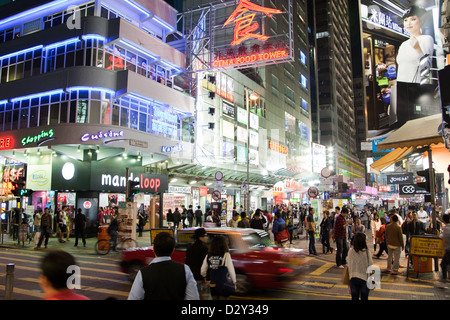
x,y
345,276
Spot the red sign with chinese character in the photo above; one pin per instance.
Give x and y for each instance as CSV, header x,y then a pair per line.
x,y
243,18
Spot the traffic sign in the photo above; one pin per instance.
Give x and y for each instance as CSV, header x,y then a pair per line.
x,y
216,195
313,192
326,172
218,175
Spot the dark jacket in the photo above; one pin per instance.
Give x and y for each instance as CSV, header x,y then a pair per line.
x,y
195,254
79,221
164,281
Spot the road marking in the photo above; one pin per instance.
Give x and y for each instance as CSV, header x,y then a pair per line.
x,y
85,288
321,270
32,293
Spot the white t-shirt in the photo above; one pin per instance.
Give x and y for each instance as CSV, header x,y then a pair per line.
x,y
408,59
422,216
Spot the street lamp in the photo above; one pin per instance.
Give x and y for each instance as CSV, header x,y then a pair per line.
x,y
253,97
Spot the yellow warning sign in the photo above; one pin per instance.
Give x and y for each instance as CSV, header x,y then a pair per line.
x,y
431,246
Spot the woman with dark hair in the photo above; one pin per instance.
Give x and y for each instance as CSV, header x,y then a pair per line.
x,y
358,262
218,256
413,49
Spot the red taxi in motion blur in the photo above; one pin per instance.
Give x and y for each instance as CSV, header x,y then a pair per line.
x,y
257,261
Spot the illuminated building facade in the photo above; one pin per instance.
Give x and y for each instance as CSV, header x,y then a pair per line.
x,y
88,89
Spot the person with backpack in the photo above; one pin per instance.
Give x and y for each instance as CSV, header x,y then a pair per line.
x,y
217,268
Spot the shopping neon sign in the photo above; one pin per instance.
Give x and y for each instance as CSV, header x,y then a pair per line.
x,y
244,25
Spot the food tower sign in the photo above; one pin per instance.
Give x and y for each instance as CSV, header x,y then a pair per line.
x,y
244,40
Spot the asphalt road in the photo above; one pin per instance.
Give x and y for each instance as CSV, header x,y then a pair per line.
x,y
101,278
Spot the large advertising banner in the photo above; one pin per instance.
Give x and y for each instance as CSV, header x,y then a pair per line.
x,y
402,54
237,34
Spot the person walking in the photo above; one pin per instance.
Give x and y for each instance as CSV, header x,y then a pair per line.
x,y
446,245
375,226
233,222
244,222
164,279
141,221
195,254
46,226
80,227
113,230
54,278
37,225
257,221
190,216
358,262
176,219
381,239
340,236
218,255
311,229
278,226
290,225
325,233
395,244
198,217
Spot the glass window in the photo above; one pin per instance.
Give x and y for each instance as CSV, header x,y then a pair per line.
x,y
124,113
73,112
54,113
24,118
115,115
142,122
43,115
34,117
63,112
82,111
106,113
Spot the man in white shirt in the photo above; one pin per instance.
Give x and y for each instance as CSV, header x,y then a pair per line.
x,y
423,216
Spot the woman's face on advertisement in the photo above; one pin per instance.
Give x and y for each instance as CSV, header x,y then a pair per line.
x,y
412,25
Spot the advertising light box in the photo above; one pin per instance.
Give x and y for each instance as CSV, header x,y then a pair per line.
x,y
239,35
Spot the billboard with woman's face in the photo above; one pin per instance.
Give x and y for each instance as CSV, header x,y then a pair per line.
x,y
401,46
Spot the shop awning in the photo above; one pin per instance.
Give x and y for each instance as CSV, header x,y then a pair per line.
x,y
391,158
415,133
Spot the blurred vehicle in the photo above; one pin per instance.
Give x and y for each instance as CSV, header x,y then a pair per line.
x,y
257,261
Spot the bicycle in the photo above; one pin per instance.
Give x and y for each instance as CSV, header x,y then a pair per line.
x,y
104,246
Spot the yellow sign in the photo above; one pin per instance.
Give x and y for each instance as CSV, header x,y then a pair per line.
x,y
427,246
154,232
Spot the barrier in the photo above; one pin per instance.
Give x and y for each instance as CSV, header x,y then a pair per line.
x,y
423,249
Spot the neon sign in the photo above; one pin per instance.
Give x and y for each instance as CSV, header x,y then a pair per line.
x,y
279,54
278,147
101,135
37,138
6,143
244,25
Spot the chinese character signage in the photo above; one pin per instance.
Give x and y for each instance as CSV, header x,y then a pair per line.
x,y
240,35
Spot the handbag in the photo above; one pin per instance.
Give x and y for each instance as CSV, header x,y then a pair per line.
x,y
345,276
221,280
283,236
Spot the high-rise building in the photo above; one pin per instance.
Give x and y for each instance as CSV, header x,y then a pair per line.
x,y
336,93
280,115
